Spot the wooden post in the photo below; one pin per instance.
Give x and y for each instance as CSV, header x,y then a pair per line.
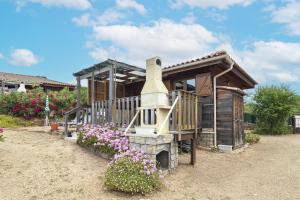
x,y
194,141
78,104
93,97
111,93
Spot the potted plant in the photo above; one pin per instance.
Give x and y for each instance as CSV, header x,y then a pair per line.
x,y
54,124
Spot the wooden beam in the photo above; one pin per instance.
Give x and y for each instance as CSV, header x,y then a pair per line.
x,y
78,103
111,92
96,72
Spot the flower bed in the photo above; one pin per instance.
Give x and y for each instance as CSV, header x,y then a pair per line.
x,y
130,170
105,139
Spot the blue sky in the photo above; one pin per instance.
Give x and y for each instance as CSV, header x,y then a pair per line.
x,y
58,37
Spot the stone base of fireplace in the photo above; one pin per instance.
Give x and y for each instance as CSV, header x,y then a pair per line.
x,y
162,149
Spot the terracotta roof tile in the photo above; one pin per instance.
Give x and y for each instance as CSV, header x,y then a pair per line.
x,y
212,55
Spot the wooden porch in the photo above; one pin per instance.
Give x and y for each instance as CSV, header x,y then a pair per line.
x,y
186,115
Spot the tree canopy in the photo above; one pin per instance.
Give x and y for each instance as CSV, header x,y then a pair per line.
x,y
273,105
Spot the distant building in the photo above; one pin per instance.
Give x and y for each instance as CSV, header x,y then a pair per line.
x,y
11,82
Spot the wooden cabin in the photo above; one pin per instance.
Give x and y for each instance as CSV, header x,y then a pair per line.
x,y
114,88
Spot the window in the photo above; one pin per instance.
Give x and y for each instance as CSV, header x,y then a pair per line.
x,y
188,85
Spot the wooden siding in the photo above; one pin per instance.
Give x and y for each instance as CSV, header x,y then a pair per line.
x,y
207,112
101,90
224,117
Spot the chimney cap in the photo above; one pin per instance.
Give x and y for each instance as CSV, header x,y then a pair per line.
x,y
154,61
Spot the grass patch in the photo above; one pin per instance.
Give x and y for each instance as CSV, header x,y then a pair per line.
x,y
7,121
252,138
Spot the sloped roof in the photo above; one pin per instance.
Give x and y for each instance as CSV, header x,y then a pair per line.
x,y
28,79
212,55
215,55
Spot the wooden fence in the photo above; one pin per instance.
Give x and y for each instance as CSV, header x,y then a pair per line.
x,y
121,111
185,115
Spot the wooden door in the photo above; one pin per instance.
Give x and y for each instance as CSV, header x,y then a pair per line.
x,y
238,120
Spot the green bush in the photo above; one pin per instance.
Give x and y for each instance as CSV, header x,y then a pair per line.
x,y
107,150
128,176
252,138
273,105
80,138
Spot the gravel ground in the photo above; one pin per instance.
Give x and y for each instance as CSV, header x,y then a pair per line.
x,y
36,165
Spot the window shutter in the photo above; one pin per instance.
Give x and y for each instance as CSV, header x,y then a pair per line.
x,y
203,84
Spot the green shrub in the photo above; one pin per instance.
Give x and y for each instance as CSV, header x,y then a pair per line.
x,y
128,176
107,150
80,138
7,121
252,138
273,105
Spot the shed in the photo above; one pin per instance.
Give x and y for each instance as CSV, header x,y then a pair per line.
x,y
230,110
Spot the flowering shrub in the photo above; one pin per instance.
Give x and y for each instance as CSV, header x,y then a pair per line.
x,y
129,171
32,104
132,173
106,138
1,135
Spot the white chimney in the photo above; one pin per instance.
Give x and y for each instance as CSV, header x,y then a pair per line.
x,y
154,92
154,102
21,88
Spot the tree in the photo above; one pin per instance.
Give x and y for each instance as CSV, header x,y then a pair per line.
x,y
273,105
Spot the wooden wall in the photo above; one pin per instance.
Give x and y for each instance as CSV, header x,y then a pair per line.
x,y
101,90
224,117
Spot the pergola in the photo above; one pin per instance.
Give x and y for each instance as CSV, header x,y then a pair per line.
x,y
112,71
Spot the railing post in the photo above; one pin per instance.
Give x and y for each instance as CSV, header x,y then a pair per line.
x,y
179,111
78,103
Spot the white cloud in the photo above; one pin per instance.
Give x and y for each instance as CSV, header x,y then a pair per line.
x,y
108,17
189,19
285,76
131,4
23,57
1,56
83,20
288,15
269,61
172,41
101,54
219,4
75,4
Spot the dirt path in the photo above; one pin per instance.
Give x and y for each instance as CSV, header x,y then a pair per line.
x,y
36,165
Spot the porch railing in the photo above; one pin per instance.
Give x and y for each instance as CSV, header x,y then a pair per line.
x,y
185,115
121,111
